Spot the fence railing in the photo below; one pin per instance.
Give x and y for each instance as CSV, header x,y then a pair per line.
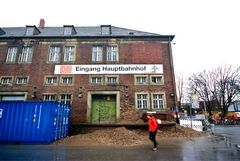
x,y
194,124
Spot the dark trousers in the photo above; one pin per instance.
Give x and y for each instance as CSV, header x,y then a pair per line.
x,y
152,137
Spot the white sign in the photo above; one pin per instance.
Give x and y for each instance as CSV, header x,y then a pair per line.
x,y
110,69
195,101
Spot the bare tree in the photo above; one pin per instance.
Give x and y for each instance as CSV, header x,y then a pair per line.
x,y
203,85
179,84
219,87
227,86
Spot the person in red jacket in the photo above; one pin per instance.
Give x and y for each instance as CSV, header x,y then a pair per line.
x,y
152,125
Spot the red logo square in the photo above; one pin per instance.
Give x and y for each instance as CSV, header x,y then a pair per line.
x,y
65,69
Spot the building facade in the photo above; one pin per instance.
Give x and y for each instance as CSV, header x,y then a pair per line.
x,y
102,71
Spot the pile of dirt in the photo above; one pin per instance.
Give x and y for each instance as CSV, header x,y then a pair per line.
x,y
130,115
122,136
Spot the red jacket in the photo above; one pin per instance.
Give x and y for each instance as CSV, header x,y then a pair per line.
x,y
152,124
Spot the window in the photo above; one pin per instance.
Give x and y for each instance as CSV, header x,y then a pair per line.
x,y
51,80
66,80
112,79
106,29
142,101
158,101
49,97
69,54
97,54
26,56
96,80
54,54
68,31
6,80
30,31
22,80
65,98
157,79
141,79
11,55
112,54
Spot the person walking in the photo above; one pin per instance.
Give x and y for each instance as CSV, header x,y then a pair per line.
x,y
211,121
152,126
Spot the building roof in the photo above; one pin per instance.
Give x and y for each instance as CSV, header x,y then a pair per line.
x,y
81,32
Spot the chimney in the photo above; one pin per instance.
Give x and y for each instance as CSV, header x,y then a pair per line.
x,y
42,23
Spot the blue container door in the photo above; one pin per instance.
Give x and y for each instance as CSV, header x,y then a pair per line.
x,y
32,122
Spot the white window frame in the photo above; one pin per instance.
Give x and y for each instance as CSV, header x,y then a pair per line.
x,y
11,54
21,80
161,82
96,80
26,55
66,98
97,54
51,80
69,54
158,103
7,80
142,103
112,54
140,77
54,54
51,97
66,80
108,77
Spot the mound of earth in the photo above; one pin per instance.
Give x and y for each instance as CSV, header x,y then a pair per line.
x,y
122,136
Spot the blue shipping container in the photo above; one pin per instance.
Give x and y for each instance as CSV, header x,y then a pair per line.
x,y
33,122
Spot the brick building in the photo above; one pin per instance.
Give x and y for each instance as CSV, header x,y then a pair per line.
x,y
101,71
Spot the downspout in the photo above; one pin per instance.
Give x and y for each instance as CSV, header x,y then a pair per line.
x,y
172,70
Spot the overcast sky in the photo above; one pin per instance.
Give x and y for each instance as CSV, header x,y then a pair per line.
x,y
206,31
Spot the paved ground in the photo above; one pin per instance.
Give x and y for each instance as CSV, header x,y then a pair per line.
x,y
220,147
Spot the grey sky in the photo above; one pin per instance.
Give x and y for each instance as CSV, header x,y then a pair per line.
x,y
207,31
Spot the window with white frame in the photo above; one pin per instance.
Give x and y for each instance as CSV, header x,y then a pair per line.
x,y
112,53
21,80
141,79
51,80
50,97
6,80
158,101
69,54
96,80
26,55
66,98
54,54
11,55
156,79
97,54
66,80
111,79
141,100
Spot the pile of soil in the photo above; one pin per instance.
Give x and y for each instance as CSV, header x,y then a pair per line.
x,y
122,136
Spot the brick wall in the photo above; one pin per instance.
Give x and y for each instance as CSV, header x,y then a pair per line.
x,y
130,52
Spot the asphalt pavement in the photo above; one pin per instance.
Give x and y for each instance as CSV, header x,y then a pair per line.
x,y
222,146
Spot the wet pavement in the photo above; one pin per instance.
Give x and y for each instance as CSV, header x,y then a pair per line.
x,y
219,147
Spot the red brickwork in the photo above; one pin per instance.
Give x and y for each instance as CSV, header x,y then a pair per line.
x,y
135,51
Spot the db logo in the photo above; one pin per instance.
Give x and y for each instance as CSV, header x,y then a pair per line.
x,y
66,69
